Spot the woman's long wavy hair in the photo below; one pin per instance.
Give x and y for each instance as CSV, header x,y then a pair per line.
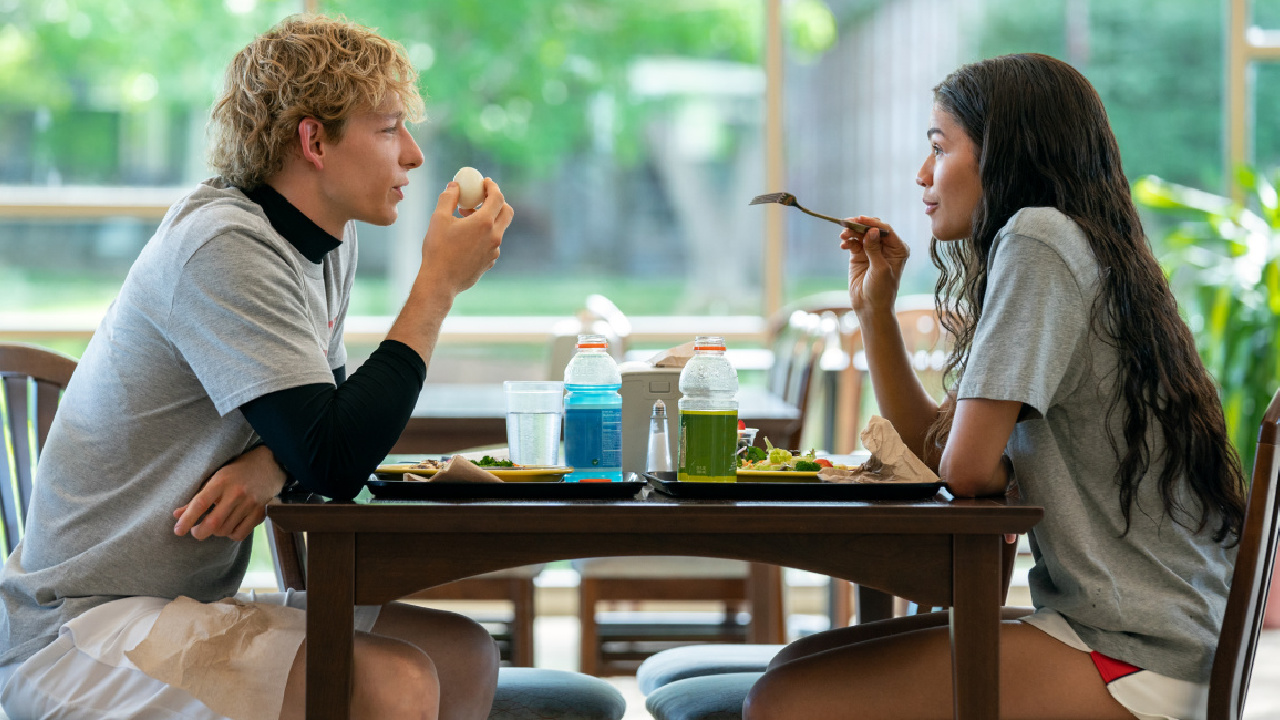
x,y
1043,140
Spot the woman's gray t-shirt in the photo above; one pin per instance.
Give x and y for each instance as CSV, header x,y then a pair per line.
x,y
1153,597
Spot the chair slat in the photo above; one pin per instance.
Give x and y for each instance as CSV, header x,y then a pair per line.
x,y
48,395
17,458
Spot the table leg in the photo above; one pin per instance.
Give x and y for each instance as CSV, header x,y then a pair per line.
x,y
975,626
331,597
764,588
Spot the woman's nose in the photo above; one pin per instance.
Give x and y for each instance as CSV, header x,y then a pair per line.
x,y
925,175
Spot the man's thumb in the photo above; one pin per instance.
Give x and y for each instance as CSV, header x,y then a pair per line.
x,y
448,199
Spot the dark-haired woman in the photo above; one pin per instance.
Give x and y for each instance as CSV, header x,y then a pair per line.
x,y
1074,374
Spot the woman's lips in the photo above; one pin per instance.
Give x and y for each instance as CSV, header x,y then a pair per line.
x,y
399,193
930,207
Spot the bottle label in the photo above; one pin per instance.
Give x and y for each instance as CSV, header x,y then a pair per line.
x,y
593,438
708,439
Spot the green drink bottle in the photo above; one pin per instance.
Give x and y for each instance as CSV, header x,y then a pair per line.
x,y
708,415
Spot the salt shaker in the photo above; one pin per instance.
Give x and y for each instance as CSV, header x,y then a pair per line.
x,y
659,462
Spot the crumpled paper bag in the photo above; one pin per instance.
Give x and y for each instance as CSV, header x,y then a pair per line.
x,y
461,470
231,655
676,357
891,459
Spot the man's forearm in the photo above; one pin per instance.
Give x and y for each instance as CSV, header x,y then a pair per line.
x,y
419,322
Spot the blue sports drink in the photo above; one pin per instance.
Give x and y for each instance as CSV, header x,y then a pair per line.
x,y
593,413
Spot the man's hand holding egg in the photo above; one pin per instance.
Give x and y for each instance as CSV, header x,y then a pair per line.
x,y
470,188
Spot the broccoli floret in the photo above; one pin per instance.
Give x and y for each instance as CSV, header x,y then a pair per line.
x,y
755,454
807,466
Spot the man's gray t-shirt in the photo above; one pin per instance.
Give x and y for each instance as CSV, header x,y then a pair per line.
x,y
219,309
1154,597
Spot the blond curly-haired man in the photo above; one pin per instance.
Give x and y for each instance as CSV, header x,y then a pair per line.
x,y
219,375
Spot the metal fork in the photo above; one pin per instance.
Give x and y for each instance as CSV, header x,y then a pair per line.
x,y
784,198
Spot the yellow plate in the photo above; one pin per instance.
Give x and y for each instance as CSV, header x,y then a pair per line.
x,y
774,476
527,473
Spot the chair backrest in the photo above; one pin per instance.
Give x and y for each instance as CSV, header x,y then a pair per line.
x,y
797,348
1255,560
31,383
598,315
927,344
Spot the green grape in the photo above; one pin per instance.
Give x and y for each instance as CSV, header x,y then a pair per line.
x,y
778,456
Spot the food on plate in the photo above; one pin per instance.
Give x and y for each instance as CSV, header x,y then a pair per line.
x,y
772,459
488,461
470,188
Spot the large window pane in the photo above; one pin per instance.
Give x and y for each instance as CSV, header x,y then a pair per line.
x,y
98,94
857,113
625,133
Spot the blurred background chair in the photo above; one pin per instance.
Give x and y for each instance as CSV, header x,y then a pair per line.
x,y
615,638
927,343
31,383
597,316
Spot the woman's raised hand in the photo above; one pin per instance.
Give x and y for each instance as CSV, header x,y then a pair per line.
x,y
876,258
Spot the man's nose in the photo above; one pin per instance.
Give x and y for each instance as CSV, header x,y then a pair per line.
x,y
411,157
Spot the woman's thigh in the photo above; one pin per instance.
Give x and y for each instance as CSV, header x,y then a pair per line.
x,y
908,675
839,637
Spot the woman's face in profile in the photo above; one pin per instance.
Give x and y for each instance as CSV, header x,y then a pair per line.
x,y
949,176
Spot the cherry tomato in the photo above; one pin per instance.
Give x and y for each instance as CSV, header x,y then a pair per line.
x,y
823,462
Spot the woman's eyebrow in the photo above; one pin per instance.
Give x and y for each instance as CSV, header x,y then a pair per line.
x,y
934,131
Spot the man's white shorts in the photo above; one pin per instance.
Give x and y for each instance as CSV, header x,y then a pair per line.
x,y
85,674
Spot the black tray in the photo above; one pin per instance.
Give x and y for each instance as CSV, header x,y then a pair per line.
x,y
412,490
820,491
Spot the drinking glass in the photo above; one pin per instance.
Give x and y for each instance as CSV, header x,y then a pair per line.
x,y
534,410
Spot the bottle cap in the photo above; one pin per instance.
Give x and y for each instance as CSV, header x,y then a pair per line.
x,y
593,341
659,408
708,342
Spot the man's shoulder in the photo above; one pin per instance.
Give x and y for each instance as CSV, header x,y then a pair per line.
x,y
215,210
214,203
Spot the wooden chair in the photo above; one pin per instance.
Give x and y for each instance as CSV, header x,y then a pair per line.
x,y
1255,562
927,343
31,383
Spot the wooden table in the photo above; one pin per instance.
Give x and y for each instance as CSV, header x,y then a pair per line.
x,y
455,416
936,552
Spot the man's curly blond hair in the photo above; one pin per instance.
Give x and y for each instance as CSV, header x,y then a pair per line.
x,y
307,66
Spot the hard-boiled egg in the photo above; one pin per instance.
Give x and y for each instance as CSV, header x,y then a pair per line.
x,y
471,187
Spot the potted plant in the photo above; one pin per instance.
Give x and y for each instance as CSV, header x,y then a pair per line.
x,y
1223,260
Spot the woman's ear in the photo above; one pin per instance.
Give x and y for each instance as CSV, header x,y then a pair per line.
x,y
312,141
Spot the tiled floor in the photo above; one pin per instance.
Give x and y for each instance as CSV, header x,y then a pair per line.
x,y
557,647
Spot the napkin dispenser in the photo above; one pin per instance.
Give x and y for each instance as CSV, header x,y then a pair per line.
x,y
641,385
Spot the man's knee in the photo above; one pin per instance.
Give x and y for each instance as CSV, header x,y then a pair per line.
x,y
391,667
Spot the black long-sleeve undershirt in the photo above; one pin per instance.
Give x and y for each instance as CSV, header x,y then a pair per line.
x,y
330,437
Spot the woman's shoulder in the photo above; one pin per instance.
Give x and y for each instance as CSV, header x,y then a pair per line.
x,y
1047,224
1051,229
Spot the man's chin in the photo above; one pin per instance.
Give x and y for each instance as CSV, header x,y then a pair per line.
x,y
383,219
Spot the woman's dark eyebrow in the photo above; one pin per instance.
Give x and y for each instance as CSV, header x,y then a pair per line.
x,y
934,131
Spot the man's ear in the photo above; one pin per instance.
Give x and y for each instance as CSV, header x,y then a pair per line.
x,y
312,141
